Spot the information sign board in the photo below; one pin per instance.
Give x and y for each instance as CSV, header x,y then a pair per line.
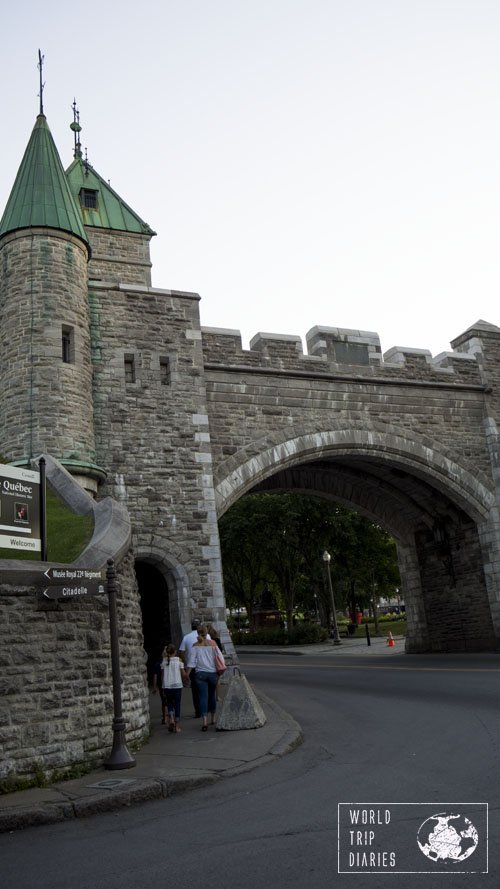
x,y
73,583
19,508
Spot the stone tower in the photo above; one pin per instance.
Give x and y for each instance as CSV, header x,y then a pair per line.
x,y
104,372
46,393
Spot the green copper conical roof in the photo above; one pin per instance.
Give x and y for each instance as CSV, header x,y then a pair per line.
x,y
41,195
106,209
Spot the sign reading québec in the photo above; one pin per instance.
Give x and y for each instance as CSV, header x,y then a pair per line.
x,y
19,508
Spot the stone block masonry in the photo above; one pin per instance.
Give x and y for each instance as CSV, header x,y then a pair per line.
x,y
413,395
56,704
401,437
119,257
119,382
152,430
45,402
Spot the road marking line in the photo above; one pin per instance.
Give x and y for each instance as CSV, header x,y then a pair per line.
x,y
379,667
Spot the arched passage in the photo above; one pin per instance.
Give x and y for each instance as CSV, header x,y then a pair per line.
x,y
154,599
165,597
435,509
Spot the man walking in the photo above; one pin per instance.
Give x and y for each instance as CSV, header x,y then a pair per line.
x,y
184,652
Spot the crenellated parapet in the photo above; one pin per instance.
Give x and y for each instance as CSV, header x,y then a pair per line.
x,y
337,345
356,353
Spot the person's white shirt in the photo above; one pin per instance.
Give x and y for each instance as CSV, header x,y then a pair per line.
x,y
171,672
187,644
202,658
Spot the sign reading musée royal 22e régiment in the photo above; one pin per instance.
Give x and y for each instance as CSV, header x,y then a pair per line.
x,y
19,508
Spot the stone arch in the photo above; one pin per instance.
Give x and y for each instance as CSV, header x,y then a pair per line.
x,y
418,455
409,485
173,586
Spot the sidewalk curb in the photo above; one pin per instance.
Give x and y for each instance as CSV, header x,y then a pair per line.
x,y
357,646
146,789
292,737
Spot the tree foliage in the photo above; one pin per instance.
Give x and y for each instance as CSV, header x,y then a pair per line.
x,y
277,541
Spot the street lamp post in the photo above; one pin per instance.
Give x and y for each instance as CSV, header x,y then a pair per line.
x,y
119,758
326,558
375,608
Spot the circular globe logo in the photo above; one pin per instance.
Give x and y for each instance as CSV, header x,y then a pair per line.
x,y
447,838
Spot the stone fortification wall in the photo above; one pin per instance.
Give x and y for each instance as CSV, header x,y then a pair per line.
x,y
332,350
45,403
458,615
408,440
152,435
56,701
275,390
119,256
482,343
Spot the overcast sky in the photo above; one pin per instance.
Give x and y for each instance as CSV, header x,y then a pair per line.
x,y
303,162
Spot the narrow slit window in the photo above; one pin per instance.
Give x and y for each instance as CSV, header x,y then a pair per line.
x,y
68,344
129,365
165,371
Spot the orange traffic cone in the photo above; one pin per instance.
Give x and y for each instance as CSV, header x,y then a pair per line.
x,y
390,640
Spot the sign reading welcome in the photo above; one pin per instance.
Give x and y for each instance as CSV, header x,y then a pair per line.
x,y
19,508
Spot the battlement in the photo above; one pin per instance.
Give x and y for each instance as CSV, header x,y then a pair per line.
x,y
336,350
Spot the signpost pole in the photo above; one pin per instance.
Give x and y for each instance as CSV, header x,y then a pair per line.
x,y
119,757
43,510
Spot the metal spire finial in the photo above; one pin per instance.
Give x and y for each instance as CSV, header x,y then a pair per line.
x,y
40,68
75,126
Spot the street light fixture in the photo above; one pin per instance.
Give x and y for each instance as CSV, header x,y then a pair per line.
x,y
326,558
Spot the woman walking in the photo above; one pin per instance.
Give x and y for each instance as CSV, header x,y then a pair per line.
x,y
202,660
214,635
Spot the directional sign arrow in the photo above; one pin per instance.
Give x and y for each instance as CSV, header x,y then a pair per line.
x,y
73,576
75,591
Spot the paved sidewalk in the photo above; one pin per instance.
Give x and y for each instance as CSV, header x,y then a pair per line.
x,y
166,764
357,646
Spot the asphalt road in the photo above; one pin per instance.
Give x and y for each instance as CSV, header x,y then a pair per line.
x,y
379,734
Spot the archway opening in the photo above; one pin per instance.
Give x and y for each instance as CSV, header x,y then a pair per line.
x,y
154,598
435,526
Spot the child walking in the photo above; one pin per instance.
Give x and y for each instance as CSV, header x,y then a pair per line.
x,y
173,673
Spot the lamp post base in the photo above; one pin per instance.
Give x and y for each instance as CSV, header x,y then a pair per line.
x,y
119,758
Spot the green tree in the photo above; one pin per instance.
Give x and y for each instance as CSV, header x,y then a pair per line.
x,y
281,538
364,560
242,532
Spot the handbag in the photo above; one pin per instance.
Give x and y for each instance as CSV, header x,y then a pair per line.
x,y
220,664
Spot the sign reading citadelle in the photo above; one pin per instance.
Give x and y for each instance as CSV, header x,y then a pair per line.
x,y
19,508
